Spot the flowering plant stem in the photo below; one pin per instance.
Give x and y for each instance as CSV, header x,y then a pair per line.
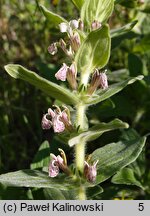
x,y
80,147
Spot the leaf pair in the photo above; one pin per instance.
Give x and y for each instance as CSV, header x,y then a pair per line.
x,y
61,93
112,158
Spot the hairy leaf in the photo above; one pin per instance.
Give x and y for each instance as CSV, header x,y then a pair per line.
x,y
112,90
99,10
96,131
94,51
52,18
126,176
115,156
52,89
38,179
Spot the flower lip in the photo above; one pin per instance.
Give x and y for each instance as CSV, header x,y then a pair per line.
x,y
62,73
46,123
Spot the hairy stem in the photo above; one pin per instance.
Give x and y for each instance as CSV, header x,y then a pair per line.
x,y
82,194
80,148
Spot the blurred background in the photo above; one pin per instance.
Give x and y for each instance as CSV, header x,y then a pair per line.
x,y
25,35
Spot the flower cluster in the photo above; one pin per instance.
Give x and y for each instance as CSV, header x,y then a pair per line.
x,y
99,79
59,120
58,163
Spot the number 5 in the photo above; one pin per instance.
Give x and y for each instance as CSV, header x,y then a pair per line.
x,y
141,206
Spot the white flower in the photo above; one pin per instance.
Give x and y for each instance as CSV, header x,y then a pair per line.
x,y
63,27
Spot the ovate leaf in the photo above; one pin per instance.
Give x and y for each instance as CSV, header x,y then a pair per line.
x,y
52,18
99,10
52,89
116,156
112,90
126,176
94,51
38,179
78,3
96,131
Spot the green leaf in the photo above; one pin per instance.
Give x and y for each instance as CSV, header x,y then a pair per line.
x,y
52,18
38,179
91,192
96,131
56,194
126,176
99,10
116,156
78,3
121,31
42,157
94,51
52,89
135,65
112,90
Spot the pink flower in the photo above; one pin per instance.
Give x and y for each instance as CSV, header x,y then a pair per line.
x,y
62,73
46,123
58,125
59,120
54,165
90,171
52,49
103,80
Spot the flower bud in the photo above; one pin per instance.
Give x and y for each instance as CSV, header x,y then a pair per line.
x,y
95,25
52,49
90,171
62,44
46,123
71,76
98,80
95,82
81,25
75,41
62,73
65,118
